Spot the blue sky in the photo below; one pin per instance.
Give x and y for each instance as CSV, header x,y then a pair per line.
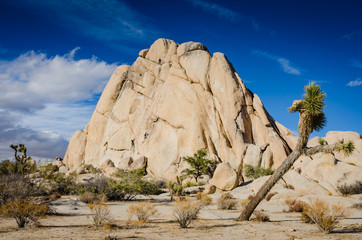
x,y
57,56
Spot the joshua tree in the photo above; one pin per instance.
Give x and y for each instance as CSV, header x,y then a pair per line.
x,y
311,117
21,162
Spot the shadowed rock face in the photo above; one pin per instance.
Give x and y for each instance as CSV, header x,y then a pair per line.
x,y
174,100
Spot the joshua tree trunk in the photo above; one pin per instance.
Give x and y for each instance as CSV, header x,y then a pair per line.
x,y
304,130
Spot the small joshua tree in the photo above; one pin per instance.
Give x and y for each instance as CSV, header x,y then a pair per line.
x,y
199,165
22,162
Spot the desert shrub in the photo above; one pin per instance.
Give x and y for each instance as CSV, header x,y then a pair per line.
x,y
186,211
324,215
256,172
7,167
321,141
199,165
52,197
89,197
143,211
125,187
176,189
100,214
48,171
295,205
189,184
226,202
357,205
24,210
16,186
269,196
355,188
261,216
90,168
203,198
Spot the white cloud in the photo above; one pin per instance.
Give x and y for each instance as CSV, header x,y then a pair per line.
x,y
355,83
43,100
283,62
33,79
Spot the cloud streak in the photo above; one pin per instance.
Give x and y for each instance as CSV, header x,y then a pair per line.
x,y
355,83
351,35
283,62
217,9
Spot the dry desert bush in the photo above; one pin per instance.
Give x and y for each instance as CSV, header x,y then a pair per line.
x,y
24,211
186,211
355,188
143,211
89,197
203,198
261,216
226,202
100,214
323,214
295,205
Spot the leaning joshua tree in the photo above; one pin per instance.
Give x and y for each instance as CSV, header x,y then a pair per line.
x,y
311,117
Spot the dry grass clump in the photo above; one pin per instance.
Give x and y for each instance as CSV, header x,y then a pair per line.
x,y
89,197
324,214
226,202
295,205
100,214
25,211
203,198
143,211
269,196
355,188
186,211
261,216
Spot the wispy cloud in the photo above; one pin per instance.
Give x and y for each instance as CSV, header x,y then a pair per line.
x,y
217,9
283,62
105,20
355,83
351,35
224,12
356,63
40,95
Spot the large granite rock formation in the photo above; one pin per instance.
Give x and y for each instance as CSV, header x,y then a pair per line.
x,y
174,100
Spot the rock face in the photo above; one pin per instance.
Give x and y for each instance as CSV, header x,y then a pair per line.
x,y
174,100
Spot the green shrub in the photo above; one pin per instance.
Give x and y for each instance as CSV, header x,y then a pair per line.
x,y
90,168
7,167
176,189
125,187
199,165
256,172
48,171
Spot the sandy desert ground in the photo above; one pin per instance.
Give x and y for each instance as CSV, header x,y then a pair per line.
x,y
75,222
